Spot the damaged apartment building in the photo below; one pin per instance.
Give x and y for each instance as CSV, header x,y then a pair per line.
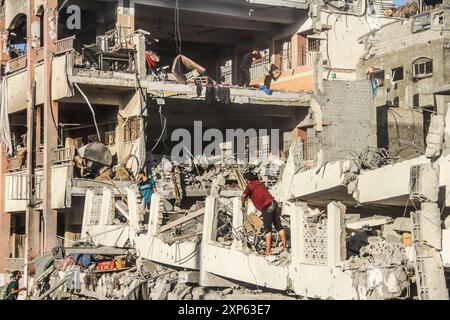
x,y
88,103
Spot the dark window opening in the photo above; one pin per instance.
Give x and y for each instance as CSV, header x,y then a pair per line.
x,y
377,76
397,74
382,128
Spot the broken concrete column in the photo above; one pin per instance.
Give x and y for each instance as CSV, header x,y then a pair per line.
x,y
238,220
161,289
431,284
188,277
427,225
208,279
108,207
88,203
427,233
336,234
155,211
435,137
447,128
297,212
139,42
133,209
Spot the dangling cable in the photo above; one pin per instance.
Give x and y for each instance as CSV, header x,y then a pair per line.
x,y
177,27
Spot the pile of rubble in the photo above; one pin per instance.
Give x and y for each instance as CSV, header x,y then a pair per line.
x,y
380,252
112,275
202,176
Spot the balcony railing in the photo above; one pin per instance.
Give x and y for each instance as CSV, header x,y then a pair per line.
x,y
19,185
286,58
40,54
63,155
14,163
64,45
260,69
18,63
226,73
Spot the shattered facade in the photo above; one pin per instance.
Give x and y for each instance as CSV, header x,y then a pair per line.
x,y
84,110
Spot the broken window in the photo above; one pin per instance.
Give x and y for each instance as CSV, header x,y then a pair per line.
x,y
132,128
314,45
422,68
397,74
378,76
110,138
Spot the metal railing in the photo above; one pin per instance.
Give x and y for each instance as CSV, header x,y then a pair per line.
x,y
64,45
226,73
19,184
286,58
18,63
260,69
63,155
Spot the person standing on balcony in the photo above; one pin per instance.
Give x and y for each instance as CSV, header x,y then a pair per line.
x,y
264,202
249,59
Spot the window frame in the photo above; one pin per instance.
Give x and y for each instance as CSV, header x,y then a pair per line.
x,y
425,64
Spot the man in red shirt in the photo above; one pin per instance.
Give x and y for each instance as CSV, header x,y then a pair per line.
x,y
264,202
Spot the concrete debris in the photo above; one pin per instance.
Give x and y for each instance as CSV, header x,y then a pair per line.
x,y
373,221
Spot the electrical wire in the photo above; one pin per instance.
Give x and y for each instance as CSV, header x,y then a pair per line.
x,y
177,27
92,110
164,127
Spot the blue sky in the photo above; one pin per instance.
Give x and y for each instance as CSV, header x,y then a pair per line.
x,y
399,2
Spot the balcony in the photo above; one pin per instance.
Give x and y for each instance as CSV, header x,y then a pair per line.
x,y
18,63
294,4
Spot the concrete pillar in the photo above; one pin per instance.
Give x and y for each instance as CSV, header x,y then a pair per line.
x,y
107,205
50,124
427,236
88,201
153,227
297,242
238,221
141,67
125,16
32,217
336,234
5,218
207,279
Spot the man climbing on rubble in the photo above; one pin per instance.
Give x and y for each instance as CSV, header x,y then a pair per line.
x,y
147,187
249,59
13,289
264,202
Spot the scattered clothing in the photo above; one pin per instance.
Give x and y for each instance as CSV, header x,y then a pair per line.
x,y
266,90
73,277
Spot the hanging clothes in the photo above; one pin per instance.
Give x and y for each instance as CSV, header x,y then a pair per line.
x,y
5,130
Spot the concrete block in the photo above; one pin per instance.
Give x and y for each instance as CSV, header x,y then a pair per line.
x,y
161,289
198,293
403,225
179,293
191,277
